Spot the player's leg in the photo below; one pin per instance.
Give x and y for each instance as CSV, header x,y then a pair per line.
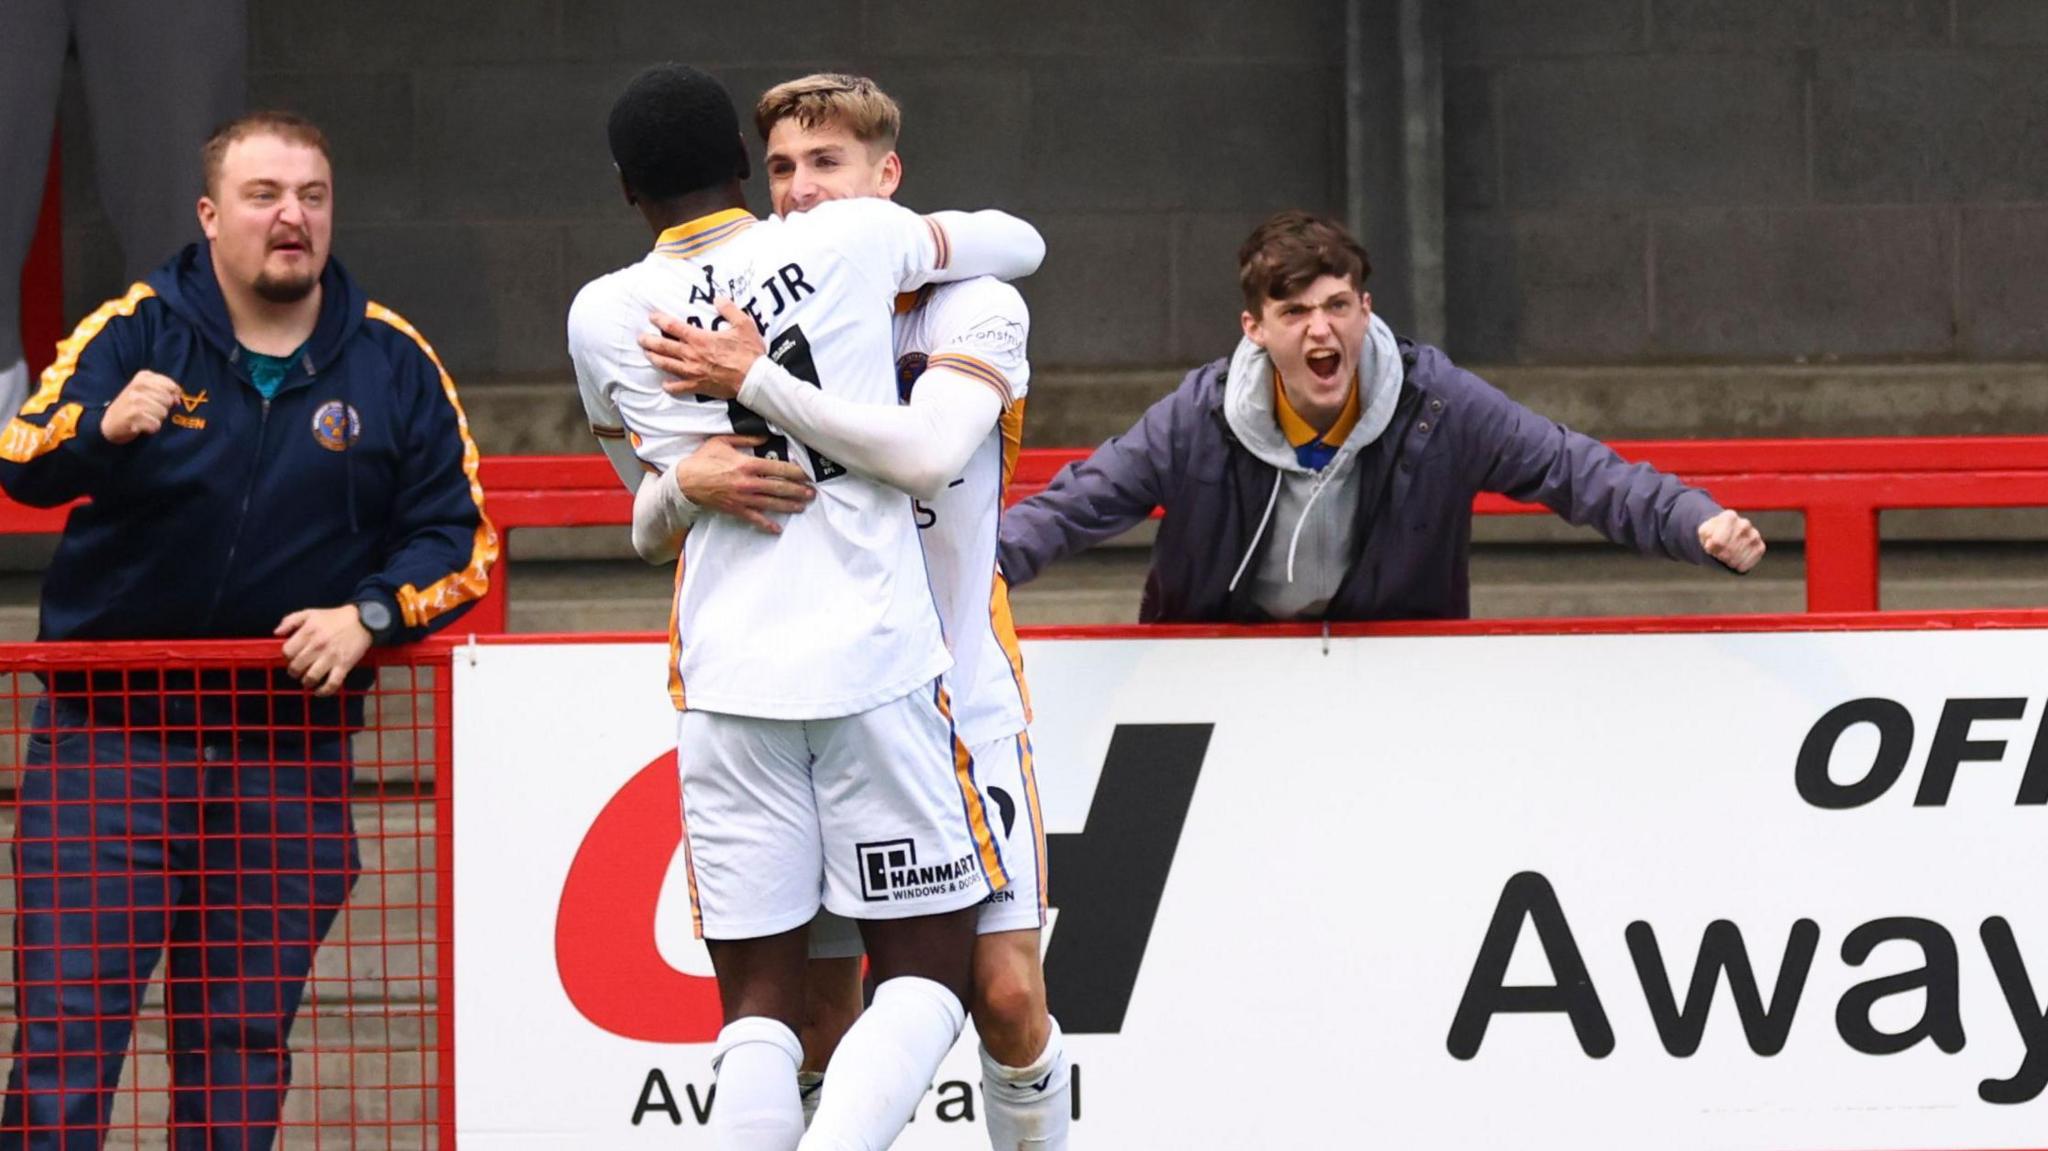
x,y
886,1061
911,854
751,852
832,1000
761,983
1024,1074
1024,1070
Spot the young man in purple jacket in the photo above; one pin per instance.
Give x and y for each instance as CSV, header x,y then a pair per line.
x,y
1326,470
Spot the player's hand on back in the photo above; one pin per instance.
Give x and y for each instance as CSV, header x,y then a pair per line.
x,y
701,362
141,408
1733,540
725,477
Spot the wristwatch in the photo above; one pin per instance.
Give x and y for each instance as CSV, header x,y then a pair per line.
x,y
376,617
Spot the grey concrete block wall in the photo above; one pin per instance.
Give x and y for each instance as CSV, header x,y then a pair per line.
x,y
1746,180
1625,180
475,192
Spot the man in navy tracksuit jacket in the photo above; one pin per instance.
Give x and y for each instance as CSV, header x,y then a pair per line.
x,y
266,453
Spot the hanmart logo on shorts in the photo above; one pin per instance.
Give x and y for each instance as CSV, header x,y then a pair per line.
x,y
889,871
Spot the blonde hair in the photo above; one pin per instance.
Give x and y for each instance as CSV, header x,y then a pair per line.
x,y
288,126
855,103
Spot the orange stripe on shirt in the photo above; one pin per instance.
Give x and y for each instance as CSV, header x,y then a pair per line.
x,y
421,606
970,795
973,369
51,386
675,642
1004,625
1000,619
22,441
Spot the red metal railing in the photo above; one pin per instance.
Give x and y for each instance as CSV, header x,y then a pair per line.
x,y
1839,485
189,848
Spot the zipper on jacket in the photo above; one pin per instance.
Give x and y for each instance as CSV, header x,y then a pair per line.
x,y
241,517
1375,505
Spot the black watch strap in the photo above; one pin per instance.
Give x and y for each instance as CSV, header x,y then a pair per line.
x,y
377,619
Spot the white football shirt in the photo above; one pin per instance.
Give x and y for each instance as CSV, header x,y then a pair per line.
x,y
978,329
835,615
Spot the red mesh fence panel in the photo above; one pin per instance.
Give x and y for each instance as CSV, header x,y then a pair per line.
x,y
224,901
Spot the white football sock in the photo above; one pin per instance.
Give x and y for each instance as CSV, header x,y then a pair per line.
x,y
13,389
1027,1107
810,1085
756,1106
885,1065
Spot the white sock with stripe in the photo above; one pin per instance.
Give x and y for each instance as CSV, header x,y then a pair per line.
x,y
756,1105
1027,1108
885,1065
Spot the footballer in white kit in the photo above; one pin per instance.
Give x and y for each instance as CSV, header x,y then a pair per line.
x,y
962,368
818,757
978,329
815,734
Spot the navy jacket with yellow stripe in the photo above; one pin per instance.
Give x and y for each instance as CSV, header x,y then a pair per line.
x,y
358,481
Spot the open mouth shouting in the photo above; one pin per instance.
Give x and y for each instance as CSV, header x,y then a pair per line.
x,y
1325,363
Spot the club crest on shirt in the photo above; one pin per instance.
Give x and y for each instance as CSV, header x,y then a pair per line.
x,y
337,425
909,366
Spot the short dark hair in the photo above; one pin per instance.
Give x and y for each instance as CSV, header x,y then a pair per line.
x,y
285,125
673,131
1292,250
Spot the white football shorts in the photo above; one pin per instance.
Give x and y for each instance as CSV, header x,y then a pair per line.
x,y
1009,793
877,815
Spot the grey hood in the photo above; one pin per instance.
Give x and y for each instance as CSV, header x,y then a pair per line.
x,y
1248,399
1248,406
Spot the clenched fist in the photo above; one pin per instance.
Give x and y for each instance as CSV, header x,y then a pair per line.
x,y
140,409
1733,540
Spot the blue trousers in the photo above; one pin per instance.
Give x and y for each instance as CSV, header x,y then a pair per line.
x,y
232,853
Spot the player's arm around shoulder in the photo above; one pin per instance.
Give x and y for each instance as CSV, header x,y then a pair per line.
x,y
901,250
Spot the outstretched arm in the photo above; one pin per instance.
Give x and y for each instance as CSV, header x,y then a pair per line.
x,y
1533,458
1104,495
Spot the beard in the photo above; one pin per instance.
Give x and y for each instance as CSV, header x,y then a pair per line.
x,y
286,289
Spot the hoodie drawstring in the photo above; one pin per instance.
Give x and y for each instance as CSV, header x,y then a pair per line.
x,y
1252,548
1322,481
